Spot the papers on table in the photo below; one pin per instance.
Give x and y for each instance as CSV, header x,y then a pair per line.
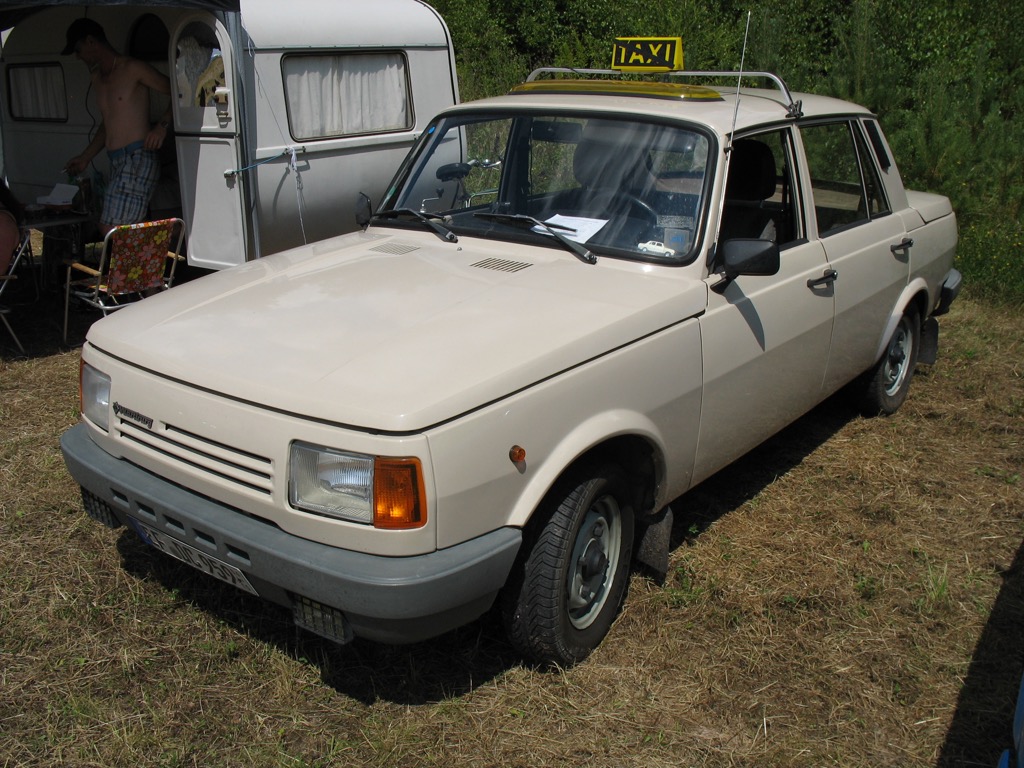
x,y
61,194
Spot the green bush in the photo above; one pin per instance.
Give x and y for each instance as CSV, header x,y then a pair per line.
x,y
989,256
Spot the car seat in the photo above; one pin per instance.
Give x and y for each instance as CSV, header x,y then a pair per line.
x,y
752,181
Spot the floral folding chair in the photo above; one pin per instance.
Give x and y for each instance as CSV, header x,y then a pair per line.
x,y
136,261
22,248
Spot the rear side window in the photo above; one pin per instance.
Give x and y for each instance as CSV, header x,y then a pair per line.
x,y
878,205
36,92
346,94
844,180
876,141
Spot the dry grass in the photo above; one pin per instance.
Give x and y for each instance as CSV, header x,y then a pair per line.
x,y
849,594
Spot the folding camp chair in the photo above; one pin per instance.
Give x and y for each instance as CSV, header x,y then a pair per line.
x,y
133,264
23,246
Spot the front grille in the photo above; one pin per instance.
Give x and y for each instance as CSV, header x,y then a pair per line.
x,y
240,467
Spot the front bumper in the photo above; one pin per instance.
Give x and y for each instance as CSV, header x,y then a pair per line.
x,y
389,599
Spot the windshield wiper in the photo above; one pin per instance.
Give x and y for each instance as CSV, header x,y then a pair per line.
x,y
430,219
581,251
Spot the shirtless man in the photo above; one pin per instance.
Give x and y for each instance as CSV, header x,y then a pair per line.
x,y
122,86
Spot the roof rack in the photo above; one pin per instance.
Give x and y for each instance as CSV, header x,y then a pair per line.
x,y
794,109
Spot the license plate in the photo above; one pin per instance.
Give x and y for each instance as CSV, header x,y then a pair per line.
x,y
192,556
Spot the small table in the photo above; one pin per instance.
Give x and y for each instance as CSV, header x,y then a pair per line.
x,y
62,238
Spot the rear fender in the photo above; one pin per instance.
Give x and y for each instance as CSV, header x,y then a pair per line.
x,y
915,293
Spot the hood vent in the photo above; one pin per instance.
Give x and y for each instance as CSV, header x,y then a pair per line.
x,y
501,265
395,249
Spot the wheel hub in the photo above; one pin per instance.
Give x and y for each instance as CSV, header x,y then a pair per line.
x,y
594,561
595,550
896,360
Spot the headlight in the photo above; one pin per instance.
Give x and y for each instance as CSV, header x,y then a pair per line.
x,y
386,492
95,394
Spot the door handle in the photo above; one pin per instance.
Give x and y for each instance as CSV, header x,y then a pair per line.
x,y
829,277
221,95
904,245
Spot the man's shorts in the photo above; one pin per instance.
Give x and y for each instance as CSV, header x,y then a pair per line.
x,y
134,171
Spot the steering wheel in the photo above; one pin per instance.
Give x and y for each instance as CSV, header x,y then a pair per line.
x,y
647,212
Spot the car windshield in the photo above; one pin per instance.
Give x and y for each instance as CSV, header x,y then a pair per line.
x,y
610,186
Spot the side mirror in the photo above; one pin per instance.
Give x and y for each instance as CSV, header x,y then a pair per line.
x,y
364,211
750,257
453,171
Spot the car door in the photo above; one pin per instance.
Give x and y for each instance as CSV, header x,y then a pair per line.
x,y
864,242
765,339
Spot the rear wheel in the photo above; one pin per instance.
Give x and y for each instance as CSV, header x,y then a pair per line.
x,y
886,385
572,576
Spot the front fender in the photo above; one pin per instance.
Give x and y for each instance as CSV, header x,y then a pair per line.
x,y
649,390
596,431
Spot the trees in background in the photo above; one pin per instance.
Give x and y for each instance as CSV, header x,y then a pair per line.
x,y
943,74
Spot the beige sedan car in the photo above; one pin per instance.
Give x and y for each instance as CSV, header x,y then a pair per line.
x,y
490,395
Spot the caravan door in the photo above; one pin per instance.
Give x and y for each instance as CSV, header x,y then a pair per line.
x,y
207,128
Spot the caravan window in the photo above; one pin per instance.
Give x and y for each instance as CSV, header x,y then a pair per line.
x,y
198,67
348,94
36,92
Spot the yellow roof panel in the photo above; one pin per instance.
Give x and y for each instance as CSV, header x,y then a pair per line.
x,y
658,90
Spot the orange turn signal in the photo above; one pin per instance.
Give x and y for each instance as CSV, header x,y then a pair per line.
x,y
399,498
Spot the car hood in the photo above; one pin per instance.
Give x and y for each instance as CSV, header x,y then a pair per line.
x,y
395,332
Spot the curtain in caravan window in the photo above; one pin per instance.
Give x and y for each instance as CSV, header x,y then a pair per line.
x,y
37,92
345,95
198,67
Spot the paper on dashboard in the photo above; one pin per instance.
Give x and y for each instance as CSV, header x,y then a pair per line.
x,y
577,228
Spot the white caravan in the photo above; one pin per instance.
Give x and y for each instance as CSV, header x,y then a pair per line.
x,y
283,112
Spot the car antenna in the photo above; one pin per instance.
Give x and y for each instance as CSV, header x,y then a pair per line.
x,y
713,252
739,82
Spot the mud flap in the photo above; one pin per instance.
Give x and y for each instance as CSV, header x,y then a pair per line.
x,y
929,351
653,543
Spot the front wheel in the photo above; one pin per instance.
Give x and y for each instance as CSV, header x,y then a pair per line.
x,y
572,576
886,385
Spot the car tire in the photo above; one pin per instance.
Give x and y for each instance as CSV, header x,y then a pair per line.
x,y
886,385
573,570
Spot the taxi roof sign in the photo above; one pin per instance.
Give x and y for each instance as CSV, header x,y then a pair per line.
x,y
647,54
